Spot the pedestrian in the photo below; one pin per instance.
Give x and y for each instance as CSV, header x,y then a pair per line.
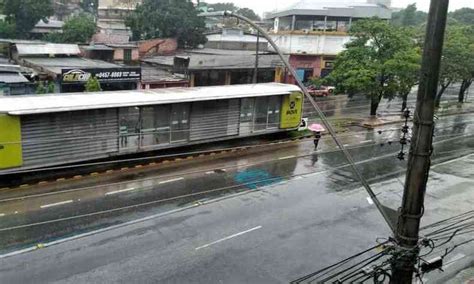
x,y
317,136
316,129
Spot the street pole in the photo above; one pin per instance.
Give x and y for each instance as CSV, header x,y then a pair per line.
x,y
257,49
382,209
419,159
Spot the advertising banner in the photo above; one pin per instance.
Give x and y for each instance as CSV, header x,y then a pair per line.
x,y
104,75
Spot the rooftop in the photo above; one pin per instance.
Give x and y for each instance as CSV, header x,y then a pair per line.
x,y
151,74
26,49
34,104
202,59
12,77
335,8
55,65
50,24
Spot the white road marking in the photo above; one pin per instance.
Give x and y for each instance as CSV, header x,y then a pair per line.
x,y
56,204
119,191
346,145
16,212
287,157
455,258
2,214
365,141
229,237
371,202
210,172
171,180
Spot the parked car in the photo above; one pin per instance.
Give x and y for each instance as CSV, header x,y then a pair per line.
x,y
322,91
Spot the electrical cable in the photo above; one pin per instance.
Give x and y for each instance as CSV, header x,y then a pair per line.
x,y
335,265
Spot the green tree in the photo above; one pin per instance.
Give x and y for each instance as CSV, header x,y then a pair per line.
x,y
404,68
93,85
25,14
168,18
40,88
368,65
7,30
223,7
51,87
79,29
409,17
249,13
463,16
456,61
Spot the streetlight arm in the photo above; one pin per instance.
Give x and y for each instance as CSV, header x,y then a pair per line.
x,y
320,113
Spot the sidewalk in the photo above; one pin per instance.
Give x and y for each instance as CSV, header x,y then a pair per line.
x,y
444,110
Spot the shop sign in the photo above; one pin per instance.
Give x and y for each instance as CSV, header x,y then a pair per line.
x,y
291,110
81,76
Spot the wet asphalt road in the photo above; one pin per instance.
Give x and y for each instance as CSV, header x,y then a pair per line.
x,y
295,212
45,217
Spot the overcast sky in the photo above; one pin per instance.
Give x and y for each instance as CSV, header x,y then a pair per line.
x,y
261,6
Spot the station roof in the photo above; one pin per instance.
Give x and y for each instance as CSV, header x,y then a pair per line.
x,y
36,104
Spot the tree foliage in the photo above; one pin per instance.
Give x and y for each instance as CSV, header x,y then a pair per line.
x,y
249,13
246,12
223,7
93,85
376,62
463,16
79,29
409,17
23,15
7,30
168,18
457,61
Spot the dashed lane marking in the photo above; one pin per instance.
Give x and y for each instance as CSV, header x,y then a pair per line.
x,y
56,204
119,191
366,141
210,173
371,202
287,157
2,214
229,237
171,180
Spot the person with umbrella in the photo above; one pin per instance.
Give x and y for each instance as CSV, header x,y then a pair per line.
x,y
316,129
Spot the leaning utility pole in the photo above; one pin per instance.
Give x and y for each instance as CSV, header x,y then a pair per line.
x,y
257,51
419,159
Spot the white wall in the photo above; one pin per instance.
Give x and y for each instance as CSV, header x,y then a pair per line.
x,y
311,44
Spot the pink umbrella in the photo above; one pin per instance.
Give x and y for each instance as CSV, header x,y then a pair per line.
x,y
316,127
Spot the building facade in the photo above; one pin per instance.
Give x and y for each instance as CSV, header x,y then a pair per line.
x,y
313,32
